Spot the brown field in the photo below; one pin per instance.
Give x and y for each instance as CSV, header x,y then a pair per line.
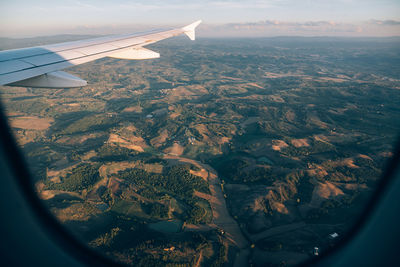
x,y
276,98
364,156
330,79
133,142
90,154
72,104
272,75
115,184
321,138
203,195
347,162
319,172
131,128
114,167
197,227
323,191
185,91
231,78
31,123
314,119
48,194
277,145
174,115
78,139
300,142
62,169
290,116
176,149
354,186
223,140
202,173
202,129
76,212
136,109
255,85
159,140
26,136
15,114
253,97
386,154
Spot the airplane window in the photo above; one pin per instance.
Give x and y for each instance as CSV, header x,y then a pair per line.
x,y
246,151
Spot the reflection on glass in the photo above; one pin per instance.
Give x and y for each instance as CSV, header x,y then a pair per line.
x,y
252,150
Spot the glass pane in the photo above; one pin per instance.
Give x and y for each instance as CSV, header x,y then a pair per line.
x,y
248,150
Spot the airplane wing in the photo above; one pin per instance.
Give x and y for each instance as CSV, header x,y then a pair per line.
x,y
40,66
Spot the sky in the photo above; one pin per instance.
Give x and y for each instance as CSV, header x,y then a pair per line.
x,y
27,18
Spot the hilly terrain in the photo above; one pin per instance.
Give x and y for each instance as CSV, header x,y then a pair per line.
x,y
222,152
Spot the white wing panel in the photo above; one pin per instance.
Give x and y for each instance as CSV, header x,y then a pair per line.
x,y
96,49
136,53
32,72
13,65
86,59
56,79
22,64
21,53
53,58
77,44
70,54
129,42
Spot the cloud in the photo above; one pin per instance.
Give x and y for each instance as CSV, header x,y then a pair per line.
x,y
288,24
199,5
306,28
385,22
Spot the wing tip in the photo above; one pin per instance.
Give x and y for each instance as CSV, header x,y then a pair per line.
x,y
189,30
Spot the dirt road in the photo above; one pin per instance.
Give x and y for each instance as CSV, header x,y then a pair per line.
x,y
221,217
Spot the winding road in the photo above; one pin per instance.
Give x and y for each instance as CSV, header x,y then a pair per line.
x,y
221,217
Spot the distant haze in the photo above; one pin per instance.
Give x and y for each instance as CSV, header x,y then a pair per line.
x,y
223,18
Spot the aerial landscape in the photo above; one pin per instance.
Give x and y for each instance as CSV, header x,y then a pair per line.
x,y
223,152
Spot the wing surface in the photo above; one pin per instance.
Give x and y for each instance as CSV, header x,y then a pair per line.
x,y
40,66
